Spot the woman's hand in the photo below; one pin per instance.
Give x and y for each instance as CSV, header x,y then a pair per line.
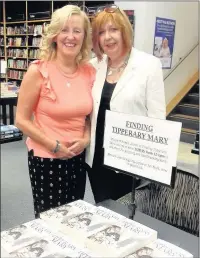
x,y
64,152
78,145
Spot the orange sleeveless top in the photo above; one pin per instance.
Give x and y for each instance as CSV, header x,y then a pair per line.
x,y
62,106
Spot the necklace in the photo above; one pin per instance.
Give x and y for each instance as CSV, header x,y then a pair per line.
x,y
68,76
113,70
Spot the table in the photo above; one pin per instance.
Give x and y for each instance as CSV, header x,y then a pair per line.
x,y
166,232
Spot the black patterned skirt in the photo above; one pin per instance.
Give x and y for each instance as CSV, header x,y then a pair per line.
x,y
56,182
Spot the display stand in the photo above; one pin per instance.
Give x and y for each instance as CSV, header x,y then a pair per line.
x,y
132,205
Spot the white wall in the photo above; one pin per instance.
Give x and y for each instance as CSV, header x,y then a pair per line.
x,y
175,82
186,35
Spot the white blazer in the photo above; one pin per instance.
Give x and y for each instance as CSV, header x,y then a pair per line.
x,y
139,91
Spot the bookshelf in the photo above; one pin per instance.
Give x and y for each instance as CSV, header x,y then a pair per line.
x,y
21,25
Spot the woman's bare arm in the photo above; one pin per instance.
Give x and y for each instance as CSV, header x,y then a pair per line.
x,y
27,101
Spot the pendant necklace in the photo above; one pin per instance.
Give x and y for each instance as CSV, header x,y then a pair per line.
x,y
68,76
113,70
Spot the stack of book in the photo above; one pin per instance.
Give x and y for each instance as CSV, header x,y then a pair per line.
x,y
79,229
10,132
37,239
8,90
160,249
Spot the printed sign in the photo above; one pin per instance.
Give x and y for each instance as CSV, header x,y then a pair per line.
x,y
141,146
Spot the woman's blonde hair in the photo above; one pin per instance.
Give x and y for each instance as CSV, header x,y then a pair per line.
x,y
120,19
58,20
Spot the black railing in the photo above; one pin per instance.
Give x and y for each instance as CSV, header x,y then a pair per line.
x,y
180,61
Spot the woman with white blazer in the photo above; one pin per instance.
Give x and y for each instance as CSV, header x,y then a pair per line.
x,y
127,81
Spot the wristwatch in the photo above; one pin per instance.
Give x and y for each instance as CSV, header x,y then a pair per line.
x,y
56,149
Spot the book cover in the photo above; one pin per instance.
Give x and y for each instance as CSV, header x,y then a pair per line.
x,y
103,216
37,239
160,249
119,238
61,213
72,219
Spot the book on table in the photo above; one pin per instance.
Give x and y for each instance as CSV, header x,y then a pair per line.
x,y
79,229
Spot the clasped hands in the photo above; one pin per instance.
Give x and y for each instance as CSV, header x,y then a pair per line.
x,y
76,147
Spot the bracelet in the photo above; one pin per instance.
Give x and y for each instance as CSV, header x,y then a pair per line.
x,y
57,147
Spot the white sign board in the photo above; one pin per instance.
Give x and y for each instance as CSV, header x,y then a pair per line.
x,y
142,146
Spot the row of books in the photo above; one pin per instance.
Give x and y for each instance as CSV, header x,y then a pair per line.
x,y
17,52
34,53
21,64
36,29
14,74
22,29
18,41
10,30
36,42
79,229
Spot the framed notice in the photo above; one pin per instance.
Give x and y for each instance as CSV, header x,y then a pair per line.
x,y
164,41
142,146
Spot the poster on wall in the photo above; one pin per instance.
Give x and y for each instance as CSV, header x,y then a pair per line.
x,y
164,41
142,146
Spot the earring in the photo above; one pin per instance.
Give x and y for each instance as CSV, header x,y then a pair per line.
x,y
54,44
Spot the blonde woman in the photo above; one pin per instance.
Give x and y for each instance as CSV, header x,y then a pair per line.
x,y
56,90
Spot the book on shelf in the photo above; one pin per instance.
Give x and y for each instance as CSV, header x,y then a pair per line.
x,y
12,30
118,238
1,41
37,239
36,29
17,41
160,249
17,52
1,30
15,74
2,53
36,42
34,53
19,64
